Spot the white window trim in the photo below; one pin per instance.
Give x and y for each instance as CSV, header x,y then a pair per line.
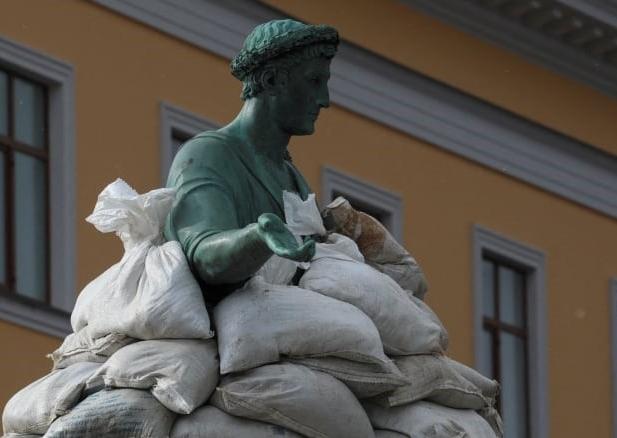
x,y
534,261
333,180
59,78
174,118
613,338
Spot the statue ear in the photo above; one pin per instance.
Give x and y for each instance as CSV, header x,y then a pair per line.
x,y
268,80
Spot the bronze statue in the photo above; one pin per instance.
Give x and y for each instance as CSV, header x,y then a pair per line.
x,y
228,215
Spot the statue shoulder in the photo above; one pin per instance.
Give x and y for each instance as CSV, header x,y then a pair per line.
x,y
209,150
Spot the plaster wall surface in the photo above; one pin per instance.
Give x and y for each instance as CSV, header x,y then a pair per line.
x,y
123,71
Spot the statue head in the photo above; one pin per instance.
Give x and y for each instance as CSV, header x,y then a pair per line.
x,y
288,63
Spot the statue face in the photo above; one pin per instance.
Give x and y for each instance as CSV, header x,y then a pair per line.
x,y
301,95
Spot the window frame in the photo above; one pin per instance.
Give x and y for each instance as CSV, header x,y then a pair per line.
x,y
13,146
613,338
533,262
58,77
390,203
174,119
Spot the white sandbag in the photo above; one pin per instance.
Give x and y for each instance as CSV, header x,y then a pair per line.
x,y
211,422
32,409
435,378
363,379
116,413
302,217
488,387
381,433
19,435
377,245
262,323
180,373
151,293
81,347
404,326
429,420
311,403
278,270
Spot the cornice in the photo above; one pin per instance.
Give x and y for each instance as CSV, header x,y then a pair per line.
x,y
576,38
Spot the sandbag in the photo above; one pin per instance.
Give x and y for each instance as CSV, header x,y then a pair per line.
x,y
404,326
488,387
435,378
363,379
180,373
19,435
380,433
378,246
151,293
262,323
32,409
308,402
211,422
429,420
117,413
82,347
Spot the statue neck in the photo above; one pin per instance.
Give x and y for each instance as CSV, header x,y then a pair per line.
x,y
258,128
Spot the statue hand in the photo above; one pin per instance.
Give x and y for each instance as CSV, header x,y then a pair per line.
x,y
281,241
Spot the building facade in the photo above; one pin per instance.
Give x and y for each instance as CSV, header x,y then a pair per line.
x,y
482,133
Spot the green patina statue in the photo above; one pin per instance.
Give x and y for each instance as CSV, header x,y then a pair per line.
x,y
228,215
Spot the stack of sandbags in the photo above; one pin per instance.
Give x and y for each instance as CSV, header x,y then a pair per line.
x,y
350,351
141,325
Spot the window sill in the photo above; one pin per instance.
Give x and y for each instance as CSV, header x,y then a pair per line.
x,y
36,317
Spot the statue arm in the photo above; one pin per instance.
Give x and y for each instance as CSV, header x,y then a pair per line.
x,y
204,221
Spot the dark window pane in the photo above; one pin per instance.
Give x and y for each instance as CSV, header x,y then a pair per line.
x,y
176,143
511,299
4,104
486,344
488,289
30,226
29,108
513,385
3,249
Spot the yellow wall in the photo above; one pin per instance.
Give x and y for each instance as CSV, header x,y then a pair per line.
x,y
482,69
124,69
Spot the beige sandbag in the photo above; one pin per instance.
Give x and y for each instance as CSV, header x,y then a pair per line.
x,y
211,422
435,378
308,402
429,420
116,413
405,327
378,246
32,409
263,323
150,293
82,347
180,373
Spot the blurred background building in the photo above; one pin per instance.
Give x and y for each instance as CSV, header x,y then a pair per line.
x,y
483,133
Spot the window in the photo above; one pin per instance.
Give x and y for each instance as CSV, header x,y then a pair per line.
x,y
178,126
37,190
613,313
504,336
24,169
510,329
383,205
